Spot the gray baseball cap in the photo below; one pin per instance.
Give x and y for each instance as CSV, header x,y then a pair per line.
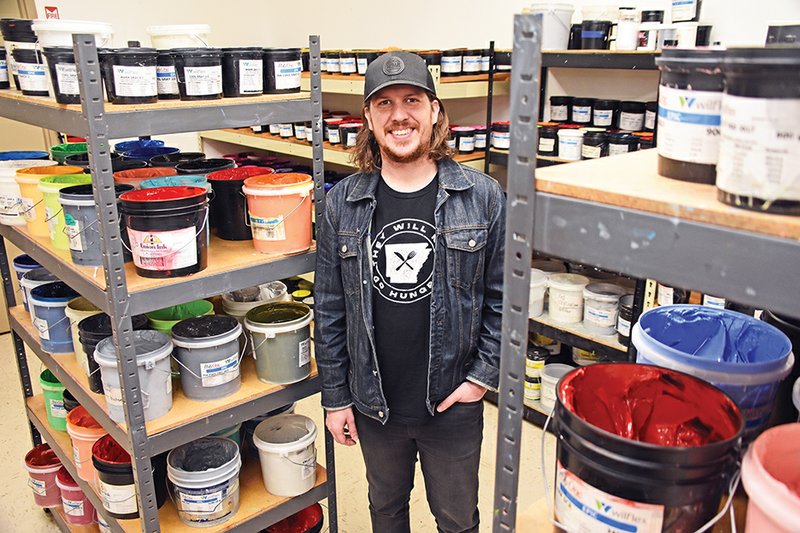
x,y
397,68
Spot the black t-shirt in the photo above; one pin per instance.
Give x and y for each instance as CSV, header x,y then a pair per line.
x,y
403,235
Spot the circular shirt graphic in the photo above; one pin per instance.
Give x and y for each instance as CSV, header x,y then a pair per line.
x,y
402,260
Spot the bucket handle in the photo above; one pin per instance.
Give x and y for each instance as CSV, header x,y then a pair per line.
x,y
55,215
732,486
64,229
239,359
31,208
273,226
202,227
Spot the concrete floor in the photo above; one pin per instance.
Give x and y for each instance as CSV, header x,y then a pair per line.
x,y
18,514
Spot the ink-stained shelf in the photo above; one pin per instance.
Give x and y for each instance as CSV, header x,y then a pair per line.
x,y
448,88
576,335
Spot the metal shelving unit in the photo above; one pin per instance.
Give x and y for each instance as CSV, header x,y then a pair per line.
x,y
641,225
117,290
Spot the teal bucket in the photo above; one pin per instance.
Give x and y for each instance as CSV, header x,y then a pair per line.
x,y
176,181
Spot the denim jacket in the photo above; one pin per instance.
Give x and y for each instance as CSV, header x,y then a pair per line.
x,y
465,303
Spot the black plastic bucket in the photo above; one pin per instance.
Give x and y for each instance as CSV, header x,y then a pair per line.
x,y
166,78
594,34
199,72
82,160
129,75
70,402
282,68
657,447
92,330
17,33
115,472
5,83
229,218
31,72
63,74
783,413
204,166
242,71
174,159
168,230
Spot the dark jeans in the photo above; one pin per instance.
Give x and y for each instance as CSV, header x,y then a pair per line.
x,y
449,447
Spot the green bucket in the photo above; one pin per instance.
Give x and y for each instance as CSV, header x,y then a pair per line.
x,y
54,400
163,319
54,213
60,152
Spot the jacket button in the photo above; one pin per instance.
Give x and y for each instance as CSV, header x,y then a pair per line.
x,y
374,372
344,248
380,414
471,243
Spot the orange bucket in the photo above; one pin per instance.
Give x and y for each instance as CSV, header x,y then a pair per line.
x,y
84,431
280,212
136,176
32,199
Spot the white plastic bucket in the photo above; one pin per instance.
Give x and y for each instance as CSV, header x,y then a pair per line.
x,y
601,307
287,454
556,23
537,290
180,36
77,310
570,144
550,375
566,297
10,195
56,32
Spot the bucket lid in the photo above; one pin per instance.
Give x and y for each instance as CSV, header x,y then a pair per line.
x,y
163,194
99,325
567,282
151,347
200,165
538,278
205,331
238,174
54,292
604,292
285,433
283,316
243,50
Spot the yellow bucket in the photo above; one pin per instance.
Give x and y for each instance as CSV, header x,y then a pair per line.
x,y
32,199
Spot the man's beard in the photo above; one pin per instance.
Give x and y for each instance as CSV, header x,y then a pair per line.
x,y
422,151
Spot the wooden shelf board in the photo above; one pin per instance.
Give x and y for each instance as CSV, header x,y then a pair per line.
x,y
184,410
254,498
631,181
580,330
602,52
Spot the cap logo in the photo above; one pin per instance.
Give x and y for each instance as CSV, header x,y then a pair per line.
x,y
393,66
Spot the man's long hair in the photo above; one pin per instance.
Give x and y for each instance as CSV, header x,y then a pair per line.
x,y
367,155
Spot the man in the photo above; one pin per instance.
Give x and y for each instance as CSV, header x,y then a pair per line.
x,y
408,293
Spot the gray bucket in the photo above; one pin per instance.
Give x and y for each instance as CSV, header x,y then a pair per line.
x,y
205,480
207,350
281,337
155,378
34,278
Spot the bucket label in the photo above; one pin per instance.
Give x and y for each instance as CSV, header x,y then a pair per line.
x,y
72,507
466,144
113,395
164,250
362,65
591,152
57,409
713,301
351,139
581,507
67,78
41,325
624,327
119,499
268,229
74,233
219,372
333,136
603,117
166,79
582,114
135,81
558,112
689,125
27,209
304,352
202,81
32,76
472,64
666,295
348,65
38,486
759,140
602,317
546,145
451,64
3,70
76,456
251,76
306,459
615,149
631,121
8,205
649,120
287,74
52,221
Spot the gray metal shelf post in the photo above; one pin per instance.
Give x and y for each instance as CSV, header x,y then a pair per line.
x,y
525,72
114,266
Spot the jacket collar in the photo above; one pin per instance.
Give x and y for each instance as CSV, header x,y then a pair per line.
x,y
451,177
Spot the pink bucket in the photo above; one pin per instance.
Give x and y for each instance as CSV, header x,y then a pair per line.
x,y
78,510
42,465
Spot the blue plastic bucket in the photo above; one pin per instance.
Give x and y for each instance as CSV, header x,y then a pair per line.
x,y
125,146
23,154
147,152
742,356
176,181
49,302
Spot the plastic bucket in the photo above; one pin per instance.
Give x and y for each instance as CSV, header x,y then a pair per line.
x,y
745,357
282,70
82,160
550,375
31,71
537,290
60,152
601,307
115,483
170,160
48,302
129,75
205,480
556,23
199,72
57,32
70,403
54,214
10,195
280,212
229,217
34,278
42,465
566,297
164,319
281,338
126,146
146,153
91,331
242,71
238,303
179,35
249,426
77,310
783,412
665,463
81,225
53,392
17,33
770,471
207,350
203,167
78,510
168,230
63,74
153,349
136,176
84,431
31,197
176,181
287,454
24,263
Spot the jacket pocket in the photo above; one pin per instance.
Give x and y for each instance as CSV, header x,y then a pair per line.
x,y
347,247
465,255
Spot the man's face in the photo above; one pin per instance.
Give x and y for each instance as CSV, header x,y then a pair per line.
x,y
402,118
